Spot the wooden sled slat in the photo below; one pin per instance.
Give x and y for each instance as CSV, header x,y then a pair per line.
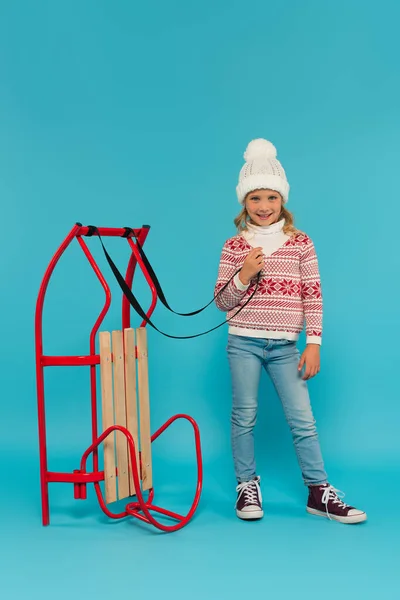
x,y
131,397
120,414
144,408
108,416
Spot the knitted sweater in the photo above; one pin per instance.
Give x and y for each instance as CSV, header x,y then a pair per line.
x,y
289,290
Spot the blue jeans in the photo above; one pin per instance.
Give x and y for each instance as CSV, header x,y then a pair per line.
x,y
280,359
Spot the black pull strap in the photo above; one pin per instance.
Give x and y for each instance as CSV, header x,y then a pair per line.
x,y
91,230
157,284
128,231
137,307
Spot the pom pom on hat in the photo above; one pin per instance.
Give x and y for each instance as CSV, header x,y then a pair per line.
x,y
259,148
262,170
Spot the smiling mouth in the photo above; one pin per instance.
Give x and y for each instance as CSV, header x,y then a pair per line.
x,y
264,216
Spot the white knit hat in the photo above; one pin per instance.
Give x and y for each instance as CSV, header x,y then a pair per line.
x,y
262,170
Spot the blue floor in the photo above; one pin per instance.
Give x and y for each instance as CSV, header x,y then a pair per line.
x,y
288,554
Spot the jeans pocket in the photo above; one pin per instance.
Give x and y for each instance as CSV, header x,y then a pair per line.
x,y
234,341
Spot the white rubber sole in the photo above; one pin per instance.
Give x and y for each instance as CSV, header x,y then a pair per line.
x,y
250,515
350,520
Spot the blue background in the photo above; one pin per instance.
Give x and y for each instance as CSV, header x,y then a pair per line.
x,y
119,113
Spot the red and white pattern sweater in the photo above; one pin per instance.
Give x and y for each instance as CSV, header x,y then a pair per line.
x,y
288,294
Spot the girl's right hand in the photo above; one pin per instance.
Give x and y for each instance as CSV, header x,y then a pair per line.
x,y
253,264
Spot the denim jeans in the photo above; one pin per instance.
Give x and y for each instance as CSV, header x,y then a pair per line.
x,y
280,359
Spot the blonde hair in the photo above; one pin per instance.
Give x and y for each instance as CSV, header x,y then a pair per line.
x,y
289,229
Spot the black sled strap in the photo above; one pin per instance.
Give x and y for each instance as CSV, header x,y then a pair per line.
x,y
136,305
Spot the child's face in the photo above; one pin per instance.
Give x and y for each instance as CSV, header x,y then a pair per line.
x,y
264,206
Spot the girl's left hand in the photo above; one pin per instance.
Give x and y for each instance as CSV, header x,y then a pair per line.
x,y
311,359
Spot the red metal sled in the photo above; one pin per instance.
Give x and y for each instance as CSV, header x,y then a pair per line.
x,y
141,508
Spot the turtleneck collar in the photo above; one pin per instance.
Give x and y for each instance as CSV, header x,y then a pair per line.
x,y
266,229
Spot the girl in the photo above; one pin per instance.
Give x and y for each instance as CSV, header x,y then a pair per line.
x,y
281,261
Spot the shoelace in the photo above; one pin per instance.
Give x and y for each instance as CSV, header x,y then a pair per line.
x,y
251,491
331,493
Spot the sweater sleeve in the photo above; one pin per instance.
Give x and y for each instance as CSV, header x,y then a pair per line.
x,y
235,290
311,293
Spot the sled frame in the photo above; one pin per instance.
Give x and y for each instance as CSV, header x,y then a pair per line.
x,y
141,508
